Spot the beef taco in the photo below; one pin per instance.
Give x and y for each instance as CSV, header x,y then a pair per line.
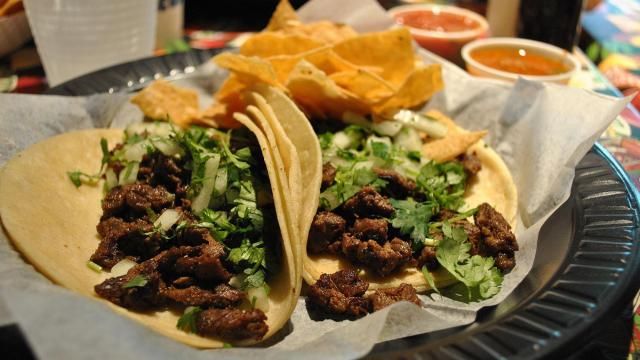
x,y
412,201
183,230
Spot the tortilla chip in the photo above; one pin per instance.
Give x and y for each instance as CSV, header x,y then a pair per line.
x,y
164,101
326,32
390,50
269,44
448,148
370,87
416,90
319,95
248,69
283,16
452,128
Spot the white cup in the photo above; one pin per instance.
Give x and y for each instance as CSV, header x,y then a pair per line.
x,y
75,37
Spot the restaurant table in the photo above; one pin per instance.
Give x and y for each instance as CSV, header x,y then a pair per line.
x,y
21,72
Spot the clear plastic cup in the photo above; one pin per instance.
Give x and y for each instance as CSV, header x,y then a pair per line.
x,y
75,37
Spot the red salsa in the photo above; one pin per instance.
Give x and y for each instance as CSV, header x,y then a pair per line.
x,y
436,21
519,61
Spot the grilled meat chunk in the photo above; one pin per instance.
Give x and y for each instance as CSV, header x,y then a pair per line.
x,y
368,202
398,186
222,296
470,163
121,238
326,228
340,293
371,229
496,237
383,259
232,324
384,297
328,175
428,257
204,262
134,200
143,294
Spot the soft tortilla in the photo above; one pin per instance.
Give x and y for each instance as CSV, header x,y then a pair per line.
x,y
290,120
52,224
493,184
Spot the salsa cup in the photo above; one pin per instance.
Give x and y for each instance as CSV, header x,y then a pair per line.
x,y
441,29
521,47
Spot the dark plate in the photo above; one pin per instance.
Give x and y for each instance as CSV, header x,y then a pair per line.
x,y
586,268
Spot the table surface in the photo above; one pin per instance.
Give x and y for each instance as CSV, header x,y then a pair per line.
x,y
21,72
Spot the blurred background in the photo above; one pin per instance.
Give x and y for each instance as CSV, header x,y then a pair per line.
x,y
44,43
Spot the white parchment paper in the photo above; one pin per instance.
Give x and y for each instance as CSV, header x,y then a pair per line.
x,y
540,130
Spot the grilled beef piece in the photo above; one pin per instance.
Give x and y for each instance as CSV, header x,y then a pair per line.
x,y
328,175
383,259
371,229
398,186
428,257
505,261
470,163
204,262
193,236
340,293
222,296
326,228
232,324
368,202
169,172
134,200
121,292
496,238
196,263
118,236
384,297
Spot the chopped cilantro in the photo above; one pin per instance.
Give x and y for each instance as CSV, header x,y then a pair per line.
x,y
326,140
187,322
251,253
137,281
104,146
93,266
444,183
380,149
78,178
412,218
430,280
217,222
481,278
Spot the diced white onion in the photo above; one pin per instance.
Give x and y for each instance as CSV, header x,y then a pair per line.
x,y
342,140
408,139
156,128
421,123
236,281
122,267
167,219
201,201
387,127
378,139
261,298
135,152
220,185
168,147
355,119
129,174
111,180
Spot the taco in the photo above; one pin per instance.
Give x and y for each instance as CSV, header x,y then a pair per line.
x,y
416,201
193,235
